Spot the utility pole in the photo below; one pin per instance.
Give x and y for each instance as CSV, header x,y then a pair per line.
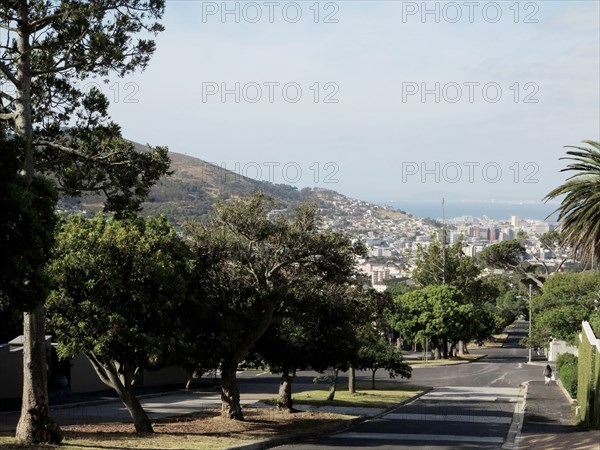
x,y
530,343
443,242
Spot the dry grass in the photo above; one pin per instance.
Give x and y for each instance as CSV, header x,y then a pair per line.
x,y
205,430
499,340
501,337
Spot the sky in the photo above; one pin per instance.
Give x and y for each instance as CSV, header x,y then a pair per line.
x,y
379,100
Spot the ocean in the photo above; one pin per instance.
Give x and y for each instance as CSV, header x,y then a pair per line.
x,y
493,210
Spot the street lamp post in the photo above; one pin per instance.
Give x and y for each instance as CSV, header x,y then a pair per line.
x,y
530,342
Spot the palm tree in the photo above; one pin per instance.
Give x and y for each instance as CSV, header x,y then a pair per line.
x,y
579,211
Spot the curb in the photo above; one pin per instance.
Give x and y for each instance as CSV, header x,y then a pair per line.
x,y
564,391
282,440
513,437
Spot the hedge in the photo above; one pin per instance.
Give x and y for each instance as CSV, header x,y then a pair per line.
x,y
588,397
566,365
595,323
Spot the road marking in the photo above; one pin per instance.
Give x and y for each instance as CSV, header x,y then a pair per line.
x,y
517,422
448,418
418,437
499,378
487,394
470,398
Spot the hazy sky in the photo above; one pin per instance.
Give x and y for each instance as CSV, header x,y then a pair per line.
x,y
378,100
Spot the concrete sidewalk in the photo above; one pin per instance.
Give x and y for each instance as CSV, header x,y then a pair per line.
x,y
548,422
112,410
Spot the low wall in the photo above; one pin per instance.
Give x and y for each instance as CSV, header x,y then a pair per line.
x,y
168,375
83,377
11,372
560,347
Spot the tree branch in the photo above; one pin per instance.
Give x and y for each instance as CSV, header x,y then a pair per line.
x,y
260,329
6,96
74,151
533,278
57,69
8,74
561,264
99,368
7,28
38,24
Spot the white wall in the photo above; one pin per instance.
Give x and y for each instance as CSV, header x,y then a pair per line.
x,y
560,347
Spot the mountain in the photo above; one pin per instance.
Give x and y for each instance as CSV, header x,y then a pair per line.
x,y
195,185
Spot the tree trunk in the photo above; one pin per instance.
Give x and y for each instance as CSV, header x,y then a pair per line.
x,y
461,348
284,400
35,425
438,352
140,418
230,393
122,377
190,379
373,378
445,348
332,386
352,380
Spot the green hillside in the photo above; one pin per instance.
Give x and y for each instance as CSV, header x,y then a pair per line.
x,y
195,185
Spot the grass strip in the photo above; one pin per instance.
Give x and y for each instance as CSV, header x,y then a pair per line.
x,y
386,394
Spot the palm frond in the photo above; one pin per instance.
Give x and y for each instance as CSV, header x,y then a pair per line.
x,y
579,211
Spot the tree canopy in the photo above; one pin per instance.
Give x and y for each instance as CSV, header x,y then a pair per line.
x,y
579,211
511,256
252,265
478,315
317,331
434,312
118,282
567,300
26,231
47,48
373,321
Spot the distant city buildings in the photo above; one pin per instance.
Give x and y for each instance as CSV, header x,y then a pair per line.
x,y
392,238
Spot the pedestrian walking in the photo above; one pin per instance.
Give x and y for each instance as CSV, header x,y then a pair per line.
x,y
547,374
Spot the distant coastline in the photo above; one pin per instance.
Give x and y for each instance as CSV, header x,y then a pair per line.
x,y
493,210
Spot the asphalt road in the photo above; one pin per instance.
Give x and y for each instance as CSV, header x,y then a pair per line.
x,y
471,407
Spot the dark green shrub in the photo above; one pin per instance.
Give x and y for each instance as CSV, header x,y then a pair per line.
x,y
595,323
566,365
565,359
